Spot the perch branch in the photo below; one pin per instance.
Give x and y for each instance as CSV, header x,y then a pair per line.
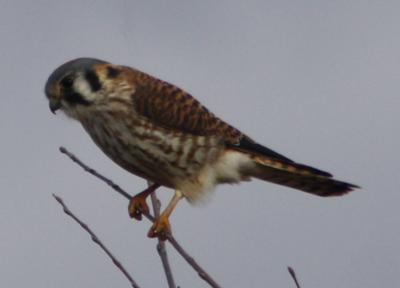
x,y
97,241
95,173
189,259
161,249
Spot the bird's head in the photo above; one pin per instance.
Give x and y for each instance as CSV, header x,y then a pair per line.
x,y
79,84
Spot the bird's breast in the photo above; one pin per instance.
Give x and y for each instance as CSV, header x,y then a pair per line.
x,y
152,152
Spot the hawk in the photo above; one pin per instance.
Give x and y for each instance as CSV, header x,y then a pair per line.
x,y
161,133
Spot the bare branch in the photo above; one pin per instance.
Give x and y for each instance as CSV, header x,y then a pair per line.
x,y
293,274
161,249
97,241
190,260
95,173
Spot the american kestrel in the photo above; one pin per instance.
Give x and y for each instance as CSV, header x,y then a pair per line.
x,y
159,132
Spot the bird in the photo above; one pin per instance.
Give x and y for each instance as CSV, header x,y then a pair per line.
x,y
159,132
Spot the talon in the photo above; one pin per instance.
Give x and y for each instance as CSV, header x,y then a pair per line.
x,y
137,207
161,229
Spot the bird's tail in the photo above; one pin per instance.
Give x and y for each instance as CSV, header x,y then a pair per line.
x,y
298,176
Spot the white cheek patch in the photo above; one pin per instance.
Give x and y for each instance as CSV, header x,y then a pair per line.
x,y
82,87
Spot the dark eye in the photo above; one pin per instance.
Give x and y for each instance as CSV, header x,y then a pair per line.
x,y
67,81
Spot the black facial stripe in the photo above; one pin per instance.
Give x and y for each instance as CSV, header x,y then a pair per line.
x,y
112,72
93,80
76,98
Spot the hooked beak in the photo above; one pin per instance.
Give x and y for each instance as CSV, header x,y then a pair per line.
x,y
54,105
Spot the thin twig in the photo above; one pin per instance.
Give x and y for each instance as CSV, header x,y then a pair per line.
x,y
161,249
190,260
95,173
293,274
97,241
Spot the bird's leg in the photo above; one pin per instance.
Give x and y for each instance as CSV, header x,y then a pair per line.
x,y
161,227
137,205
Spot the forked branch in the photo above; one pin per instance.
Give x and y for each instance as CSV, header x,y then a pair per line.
x,y
190,260
161,249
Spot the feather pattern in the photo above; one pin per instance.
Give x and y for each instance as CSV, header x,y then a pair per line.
x,y
161,133
172,108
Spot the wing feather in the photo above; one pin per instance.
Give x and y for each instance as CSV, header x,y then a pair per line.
x,y
171,107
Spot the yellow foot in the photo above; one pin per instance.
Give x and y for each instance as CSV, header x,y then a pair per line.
x,y
138,206
161,228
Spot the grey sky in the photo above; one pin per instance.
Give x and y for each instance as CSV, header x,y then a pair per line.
x,y
315,80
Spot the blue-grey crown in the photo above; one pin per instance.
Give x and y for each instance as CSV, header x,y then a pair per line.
x,y
79,64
